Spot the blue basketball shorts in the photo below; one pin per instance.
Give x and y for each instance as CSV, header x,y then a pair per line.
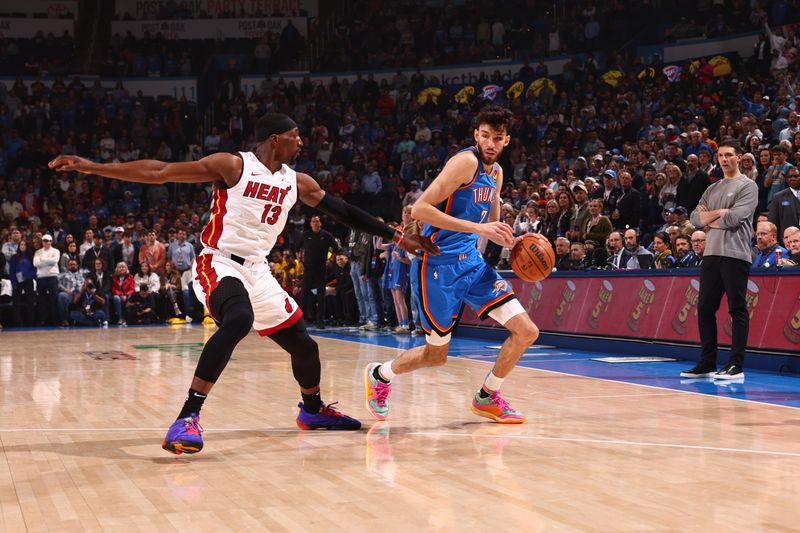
x,y
443,283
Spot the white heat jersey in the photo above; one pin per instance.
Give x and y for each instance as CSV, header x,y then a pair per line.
x,y
246,219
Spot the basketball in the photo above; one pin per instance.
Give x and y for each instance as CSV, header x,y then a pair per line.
x,y
532,258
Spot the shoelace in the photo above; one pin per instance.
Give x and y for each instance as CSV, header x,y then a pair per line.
x,y
500,401
192,425
330,410
381,392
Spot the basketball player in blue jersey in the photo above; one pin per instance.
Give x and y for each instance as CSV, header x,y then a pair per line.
x,y
461,205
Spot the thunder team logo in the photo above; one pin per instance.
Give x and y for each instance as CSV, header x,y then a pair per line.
x,y
500,286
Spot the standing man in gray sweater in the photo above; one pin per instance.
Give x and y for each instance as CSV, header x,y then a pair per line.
x,y
726,209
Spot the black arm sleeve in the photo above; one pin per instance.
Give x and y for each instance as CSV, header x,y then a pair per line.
x,y
354,217
332,242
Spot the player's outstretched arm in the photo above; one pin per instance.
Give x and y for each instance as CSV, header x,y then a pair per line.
x,y
458,171
310,193
217,167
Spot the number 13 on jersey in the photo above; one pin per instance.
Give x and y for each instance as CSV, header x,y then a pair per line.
x,y
271,214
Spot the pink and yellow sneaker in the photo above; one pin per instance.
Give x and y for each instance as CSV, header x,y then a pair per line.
x,y
496,408
377,393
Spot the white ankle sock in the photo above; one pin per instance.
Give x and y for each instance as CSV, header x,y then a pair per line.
x,y
492,382
386,371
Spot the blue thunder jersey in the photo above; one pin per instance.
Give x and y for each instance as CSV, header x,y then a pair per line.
x,y
472,202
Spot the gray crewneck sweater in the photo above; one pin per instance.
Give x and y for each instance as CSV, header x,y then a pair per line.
x,y
740,196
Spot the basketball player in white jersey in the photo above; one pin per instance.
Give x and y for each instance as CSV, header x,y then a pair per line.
x,y
253,194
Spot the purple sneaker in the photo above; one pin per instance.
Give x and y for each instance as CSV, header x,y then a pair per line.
x,y
185,435
327,418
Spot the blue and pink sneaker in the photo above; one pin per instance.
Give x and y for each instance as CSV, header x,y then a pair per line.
x,y
185,435
327,418
496,408
377,393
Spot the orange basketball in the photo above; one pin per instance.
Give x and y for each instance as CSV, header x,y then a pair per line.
x,y
532,258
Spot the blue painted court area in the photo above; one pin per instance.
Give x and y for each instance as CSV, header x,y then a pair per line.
x,y
759,386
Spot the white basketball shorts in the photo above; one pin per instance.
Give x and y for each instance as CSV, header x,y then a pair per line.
x,y
273,308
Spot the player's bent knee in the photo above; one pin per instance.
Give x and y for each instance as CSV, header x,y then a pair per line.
x,y
305,347
524,331
530,333
230,306
239,319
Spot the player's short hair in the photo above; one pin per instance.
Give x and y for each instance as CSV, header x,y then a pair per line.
x,y
496,117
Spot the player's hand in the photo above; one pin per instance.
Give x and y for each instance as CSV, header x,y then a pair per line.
x,y
498,232
538,236
415,243
72,163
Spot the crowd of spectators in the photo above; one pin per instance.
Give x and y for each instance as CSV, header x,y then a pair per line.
x,y
370,34
179,10
642,150
41,54
366,34
154,56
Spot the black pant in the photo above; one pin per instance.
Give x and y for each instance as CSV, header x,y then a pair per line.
x,y
24,298
132,316
309,298
47,291
169,298
718,276
343,305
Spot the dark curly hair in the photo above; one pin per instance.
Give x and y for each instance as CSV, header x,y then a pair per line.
x,y
496,117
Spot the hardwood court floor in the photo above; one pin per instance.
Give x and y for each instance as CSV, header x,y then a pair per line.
x,y
80,435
